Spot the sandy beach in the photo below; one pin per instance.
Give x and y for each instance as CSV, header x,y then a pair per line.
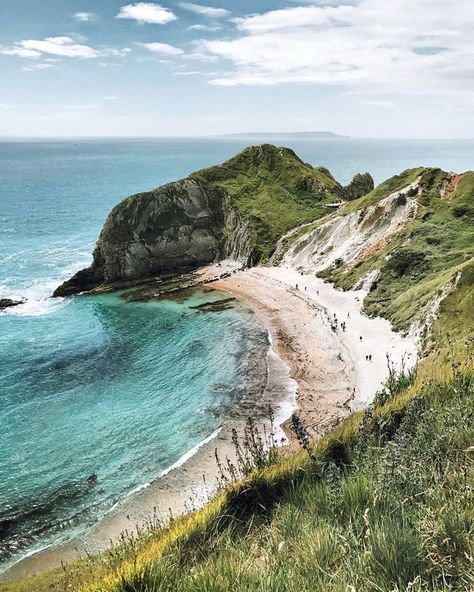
x,y
321,371
330,367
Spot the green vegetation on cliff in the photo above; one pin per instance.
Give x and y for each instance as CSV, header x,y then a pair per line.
x,y
273,190
395,183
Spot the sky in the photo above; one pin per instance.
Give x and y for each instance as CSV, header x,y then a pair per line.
x,y
366,68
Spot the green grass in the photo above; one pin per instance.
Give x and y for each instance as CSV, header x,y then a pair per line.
x,y
401,511
386,188
273,191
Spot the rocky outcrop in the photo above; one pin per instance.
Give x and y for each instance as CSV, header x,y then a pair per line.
x,y
177,227
361,184
8,302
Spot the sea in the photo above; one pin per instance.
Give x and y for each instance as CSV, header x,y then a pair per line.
x,y
98,396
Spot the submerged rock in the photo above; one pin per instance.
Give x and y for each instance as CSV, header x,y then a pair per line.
x,y
8,302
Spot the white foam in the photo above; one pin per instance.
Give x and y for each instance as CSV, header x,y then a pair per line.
x,y
183,459
38,294
187,455
278,371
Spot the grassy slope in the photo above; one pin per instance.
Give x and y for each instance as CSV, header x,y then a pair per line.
x,y
388,501
273,190
386,188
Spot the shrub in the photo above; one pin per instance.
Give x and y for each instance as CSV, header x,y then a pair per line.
x,y
405,261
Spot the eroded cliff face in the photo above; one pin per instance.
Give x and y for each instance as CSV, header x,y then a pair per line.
x,y
351,238
176,227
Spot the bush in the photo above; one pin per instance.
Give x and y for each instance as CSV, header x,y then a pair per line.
x,y
405,261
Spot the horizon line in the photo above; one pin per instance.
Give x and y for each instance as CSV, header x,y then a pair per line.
x,y
233,135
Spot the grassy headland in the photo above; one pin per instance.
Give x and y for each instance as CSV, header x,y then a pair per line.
x,y
273,190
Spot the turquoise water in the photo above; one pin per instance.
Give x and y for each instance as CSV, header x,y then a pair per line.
x,y
96,386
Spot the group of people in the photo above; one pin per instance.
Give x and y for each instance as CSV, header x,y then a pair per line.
x,y
334,326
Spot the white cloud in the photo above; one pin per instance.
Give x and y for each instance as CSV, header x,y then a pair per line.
x,y
58,46
19,51
114,52
40,66
188,73
84,17
111,98
205,10
147,12
162,48
397,45
204,27
63,47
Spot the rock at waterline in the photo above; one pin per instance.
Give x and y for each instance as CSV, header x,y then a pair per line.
x,y
8,302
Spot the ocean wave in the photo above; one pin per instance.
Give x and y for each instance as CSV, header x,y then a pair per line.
x,y
38,293
38,299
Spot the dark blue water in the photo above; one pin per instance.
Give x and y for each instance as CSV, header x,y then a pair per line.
x,y
94,385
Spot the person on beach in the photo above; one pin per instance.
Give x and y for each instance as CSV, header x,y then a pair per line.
x,y
296,286
360,338
370,357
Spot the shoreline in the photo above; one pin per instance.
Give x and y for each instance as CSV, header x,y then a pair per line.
x,y
330,368
321,372
185,485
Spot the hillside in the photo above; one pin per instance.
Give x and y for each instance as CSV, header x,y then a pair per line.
x,y
383,501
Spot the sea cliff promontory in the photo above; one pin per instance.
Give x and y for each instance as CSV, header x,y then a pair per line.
x,y
236,210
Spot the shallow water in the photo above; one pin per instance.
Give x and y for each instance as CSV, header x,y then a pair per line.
x,y
120,391
94,385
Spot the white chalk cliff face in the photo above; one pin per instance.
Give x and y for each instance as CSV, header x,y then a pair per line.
x,y
348,238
